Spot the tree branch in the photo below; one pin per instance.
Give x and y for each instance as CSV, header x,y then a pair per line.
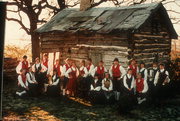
x,y
20,22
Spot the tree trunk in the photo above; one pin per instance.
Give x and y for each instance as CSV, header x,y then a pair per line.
x,y
35,46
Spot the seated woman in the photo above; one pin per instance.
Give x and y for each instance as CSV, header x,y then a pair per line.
x,y
128,83
141,88
107,89
95,88
32,83
22,83
53,89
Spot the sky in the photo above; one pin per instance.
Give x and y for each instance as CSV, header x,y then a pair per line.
x,y
16,36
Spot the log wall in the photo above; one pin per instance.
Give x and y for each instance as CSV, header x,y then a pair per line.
x,y
148,43
78,47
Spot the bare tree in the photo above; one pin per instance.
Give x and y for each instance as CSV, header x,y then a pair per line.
x,y
33,10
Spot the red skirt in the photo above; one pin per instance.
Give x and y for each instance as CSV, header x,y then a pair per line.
x,y
71,86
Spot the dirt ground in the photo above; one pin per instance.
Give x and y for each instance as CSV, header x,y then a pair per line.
x,y
57,109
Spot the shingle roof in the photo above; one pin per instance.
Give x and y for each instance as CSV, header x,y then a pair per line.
x,y
105,20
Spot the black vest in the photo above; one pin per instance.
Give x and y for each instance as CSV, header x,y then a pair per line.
x,y
154,72
142,73
38,69
162,77
129,81
98,83
54,80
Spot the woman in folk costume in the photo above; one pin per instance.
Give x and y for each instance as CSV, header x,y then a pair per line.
x,y
143,71
46,62
90,68
53,89
24,64
32,83
133,66
117,72
128,82
39,69
82,83
72,74
22,83
65,67
58,68
141,88
100,70
107,88
95,93
161,82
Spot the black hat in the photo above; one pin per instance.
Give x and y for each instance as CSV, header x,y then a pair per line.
x,y
116,59
24,56
161,64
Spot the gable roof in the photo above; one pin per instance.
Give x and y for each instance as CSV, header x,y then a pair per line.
x,y
105,20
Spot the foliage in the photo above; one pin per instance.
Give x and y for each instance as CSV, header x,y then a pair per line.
x,y
17,52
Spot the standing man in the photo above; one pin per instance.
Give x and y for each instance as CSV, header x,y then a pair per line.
x,y
117,72
24,64
151,74
133,66
161,82
100,70
90,68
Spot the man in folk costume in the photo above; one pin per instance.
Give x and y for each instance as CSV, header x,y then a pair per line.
x,y
90,68
46,63
72,74
95,88
117,72
161,81
128,82
133,66
22,83
100,70
24,64
141,88
82,83
151,76
66,66
107,88
53,89
32,83
39,69
143,71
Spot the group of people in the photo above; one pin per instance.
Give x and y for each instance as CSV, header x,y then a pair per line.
x,y
96,83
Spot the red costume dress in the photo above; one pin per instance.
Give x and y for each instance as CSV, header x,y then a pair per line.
x,y
71,86
57,68
100,71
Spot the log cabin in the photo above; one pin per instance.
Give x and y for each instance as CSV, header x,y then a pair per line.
x,y
143,32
